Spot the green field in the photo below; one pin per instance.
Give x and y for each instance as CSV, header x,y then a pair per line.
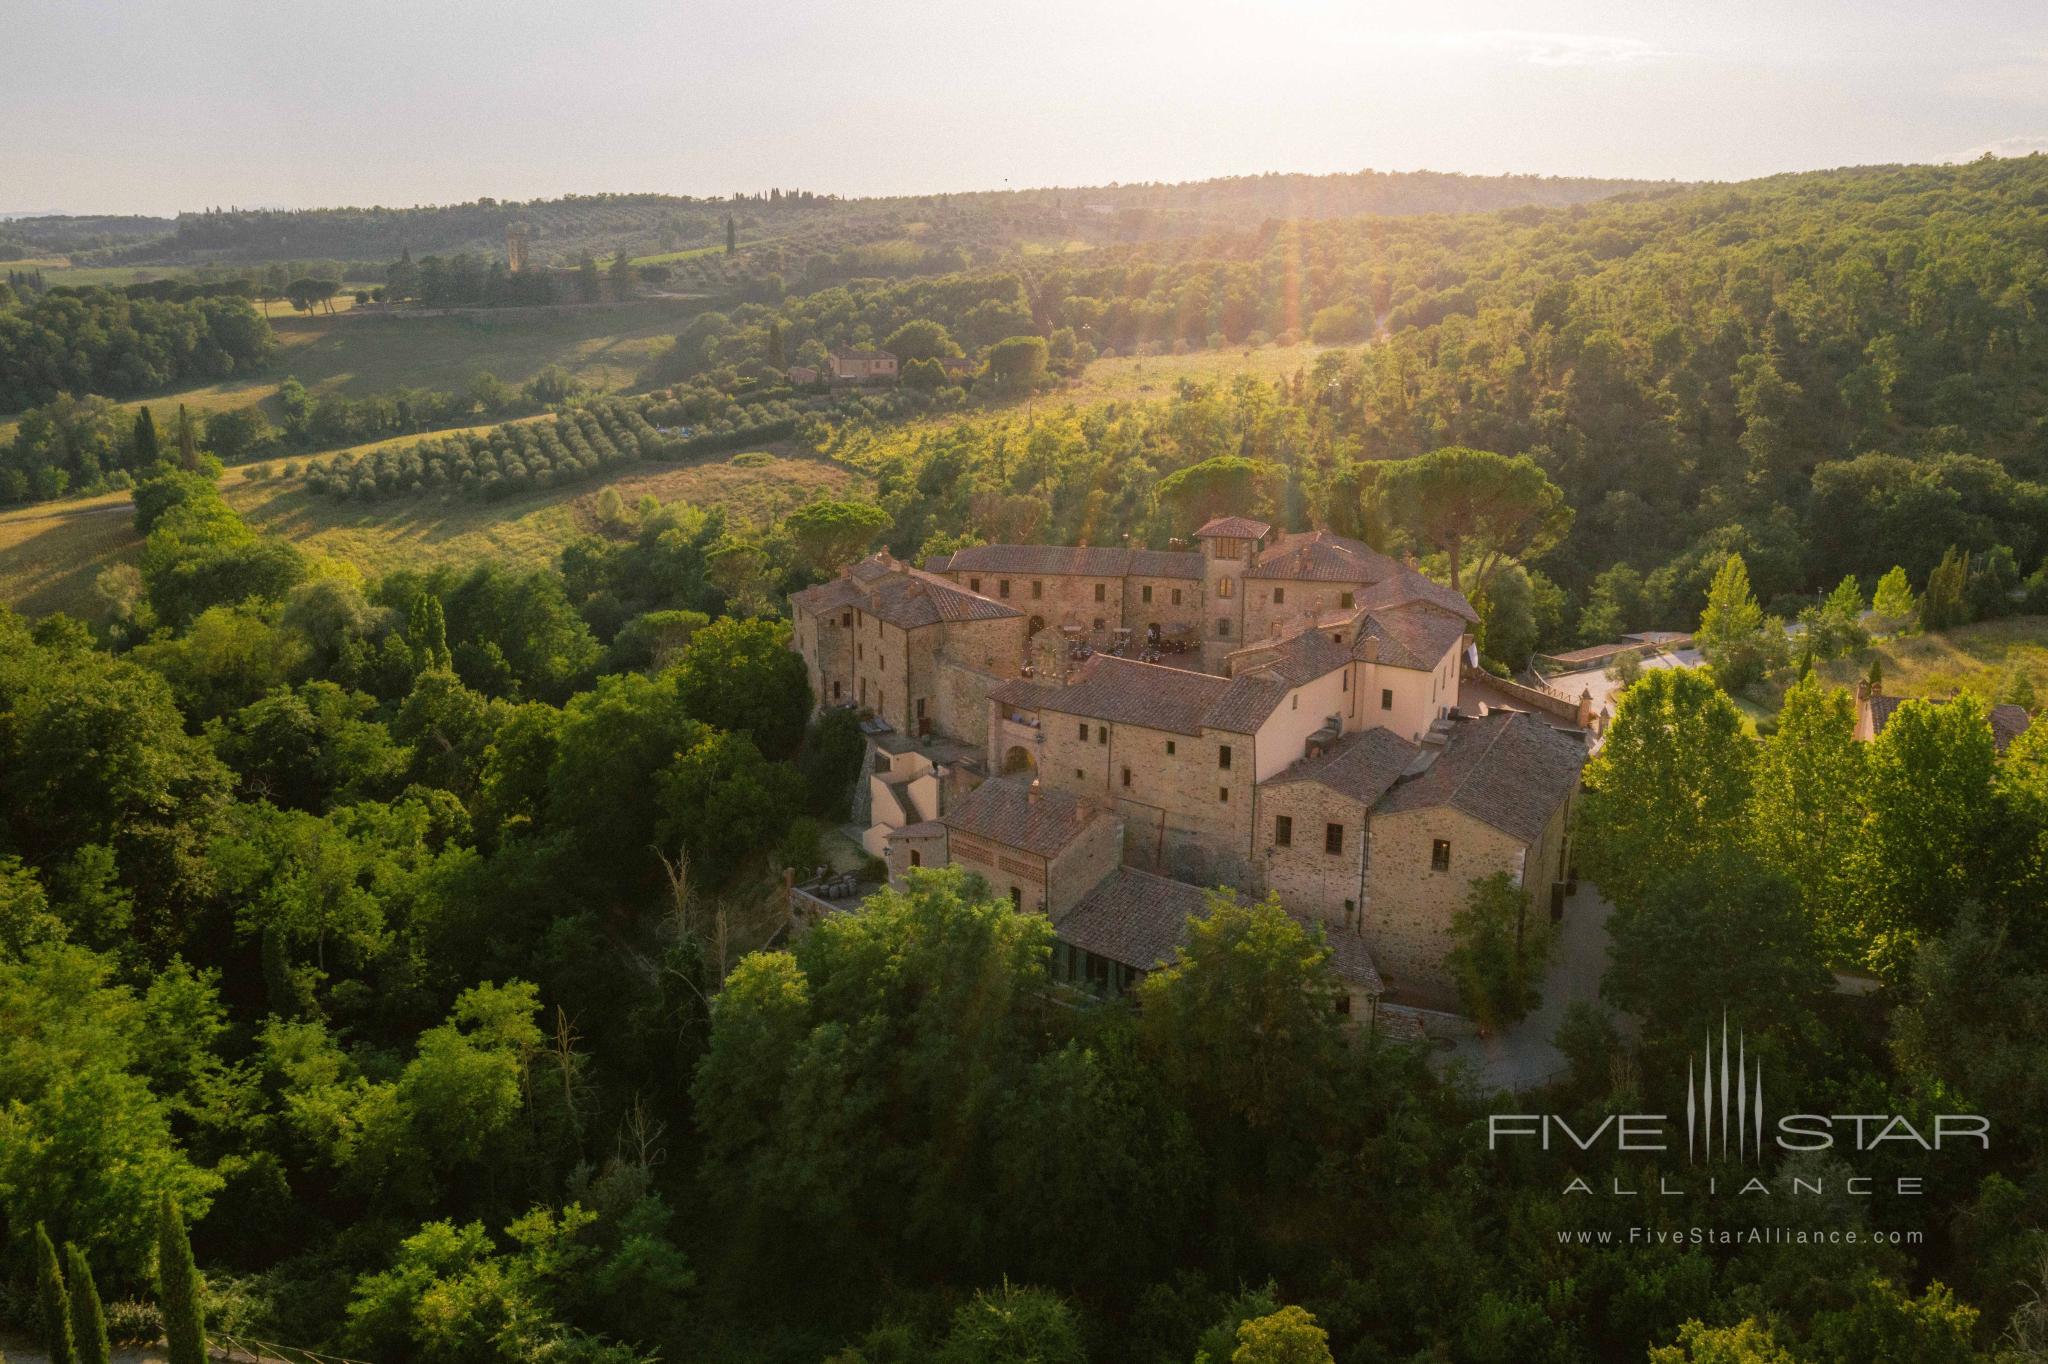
x,y
51,553
604,347
1129,377
1979,659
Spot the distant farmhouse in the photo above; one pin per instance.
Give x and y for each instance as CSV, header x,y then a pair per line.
x,y
871,367
1103,733
1874,710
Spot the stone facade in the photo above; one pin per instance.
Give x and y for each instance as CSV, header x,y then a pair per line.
x,y
1320,755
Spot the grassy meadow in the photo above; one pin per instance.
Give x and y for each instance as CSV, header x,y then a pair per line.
x,y
50,553
605,347
1980,659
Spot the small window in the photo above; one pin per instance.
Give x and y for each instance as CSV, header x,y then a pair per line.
x,y
1223,794
1283,831
1002,587
1386,698
1294,701
974,584
1440,855
1084,731
1079,775
1127,776
1223,588
1176,596
1350,913
1347,676
1344,1004
1222,628
1145,595
1102,734
1169,748
1333,838
1344,600
1016,898
846,620
916,858
1037,589
1098,623
1223,756
860,653
1279,596
1101,589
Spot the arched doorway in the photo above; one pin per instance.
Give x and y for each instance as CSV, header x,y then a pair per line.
x,y
1018,759
1037,624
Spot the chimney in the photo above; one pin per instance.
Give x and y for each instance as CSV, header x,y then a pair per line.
x,y
1031,792
1369,649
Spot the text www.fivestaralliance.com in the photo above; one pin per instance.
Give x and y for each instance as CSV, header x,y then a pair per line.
x,y
1741,1236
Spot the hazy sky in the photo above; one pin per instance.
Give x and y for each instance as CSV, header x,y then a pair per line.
x,y
157,105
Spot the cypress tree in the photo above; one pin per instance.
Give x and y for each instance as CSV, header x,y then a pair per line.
x,y
732,235
53,1312
188,440
144,450
88,1316
177,1288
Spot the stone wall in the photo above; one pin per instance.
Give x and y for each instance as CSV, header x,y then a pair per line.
x,y
1296,598
1081,867
1175,601
1310,880
1409,905
826,648
1005,869
1197,834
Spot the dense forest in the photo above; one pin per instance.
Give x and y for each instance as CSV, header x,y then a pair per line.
x,y
398,936
108,342
572,224
444,1051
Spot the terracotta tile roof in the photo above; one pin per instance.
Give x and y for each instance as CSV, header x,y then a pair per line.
x,y
1320,556
1363,765
1141,920
1232,528
901,595
1134,917
855,353
1245,706
1092,561
1409,586
2008,721
1296,659
1129,693
924,828
1415,637
1003,810
1165,563
1351,959
1507,769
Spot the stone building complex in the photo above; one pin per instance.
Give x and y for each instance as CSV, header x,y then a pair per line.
x,y
1103,733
